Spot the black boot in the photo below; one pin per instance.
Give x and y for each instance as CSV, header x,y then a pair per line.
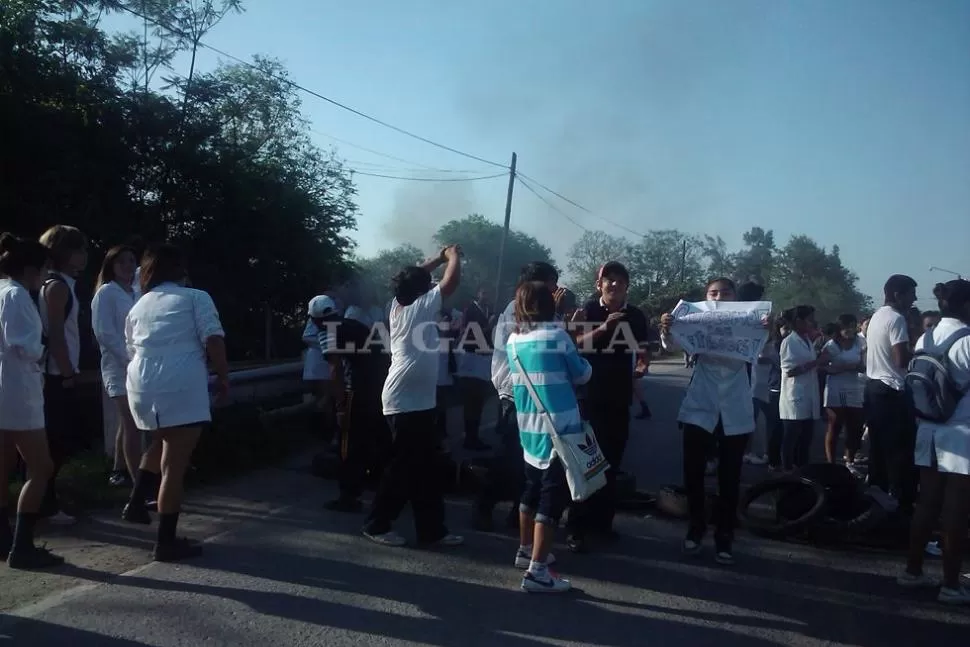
x,y
24,555
168,548
136,511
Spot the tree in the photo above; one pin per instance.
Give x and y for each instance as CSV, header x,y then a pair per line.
x,y
480,240
719,259
381,268
757,259
590,252
807,274
667,265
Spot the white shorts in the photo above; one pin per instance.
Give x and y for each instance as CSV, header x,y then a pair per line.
x,y
162,410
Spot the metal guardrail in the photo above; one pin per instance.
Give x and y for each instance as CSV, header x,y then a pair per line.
x,y
245,385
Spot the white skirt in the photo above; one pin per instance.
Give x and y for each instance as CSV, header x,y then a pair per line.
x,y
162,410
943,447
843,398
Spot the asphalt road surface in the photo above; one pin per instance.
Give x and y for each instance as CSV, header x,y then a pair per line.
x,y
301,576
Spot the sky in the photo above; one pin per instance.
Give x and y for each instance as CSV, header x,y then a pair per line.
x,y
847,121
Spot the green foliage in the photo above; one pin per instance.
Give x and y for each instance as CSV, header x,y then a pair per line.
x,y
480,240
668,265
220,163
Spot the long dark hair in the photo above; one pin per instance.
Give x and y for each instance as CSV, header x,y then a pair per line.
x,y
17,254
107,273
534,304
162,264
953,297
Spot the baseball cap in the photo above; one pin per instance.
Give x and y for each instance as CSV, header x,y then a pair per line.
x,y
321,306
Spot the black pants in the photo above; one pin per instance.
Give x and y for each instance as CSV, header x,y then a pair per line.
x,y
698,444
412,474
60,416
892,442
611,424
506,480
773,427
797,445
474,394
364,443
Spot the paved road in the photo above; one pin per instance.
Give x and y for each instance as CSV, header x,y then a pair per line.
x,y
300,576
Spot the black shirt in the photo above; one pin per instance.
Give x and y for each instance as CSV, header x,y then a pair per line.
x,y
613,354
364,360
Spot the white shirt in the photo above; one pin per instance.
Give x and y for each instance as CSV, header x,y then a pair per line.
x,y
845,389
21,348
72,334
719,390
887,328
501,375
109,309
136,284
315,367
166,333
799,398
948,443
412,380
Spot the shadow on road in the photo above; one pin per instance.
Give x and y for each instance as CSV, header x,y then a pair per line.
x,y
14,632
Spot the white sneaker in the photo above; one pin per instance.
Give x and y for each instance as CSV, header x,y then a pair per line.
x,y
390,538
758,460
548,584
933,549
954,596
524,559
61,519
922,581
691,547
450,541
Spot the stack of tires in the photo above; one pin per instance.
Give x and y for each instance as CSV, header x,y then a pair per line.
x,y
820,503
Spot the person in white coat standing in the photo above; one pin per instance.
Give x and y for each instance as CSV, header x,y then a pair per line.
x,y
943,454
169,332
799,405
113,299
24,264
716,410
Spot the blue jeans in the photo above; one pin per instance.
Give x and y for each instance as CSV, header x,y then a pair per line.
x,y
797,447
773,427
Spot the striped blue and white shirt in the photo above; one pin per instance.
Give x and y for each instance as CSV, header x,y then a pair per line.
x,y
553,363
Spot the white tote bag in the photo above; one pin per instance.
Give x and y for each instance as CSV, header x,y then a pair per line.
x,y
580,454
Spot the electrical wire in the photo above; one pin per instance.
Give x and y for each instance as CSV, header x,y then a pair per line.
x,y
547,203
581,207
429,179
313,93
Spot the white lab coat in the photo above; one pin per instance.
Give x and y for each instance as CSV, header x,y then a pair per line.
x,y
719,390
168,379
21,379
109,309
800,398
315,367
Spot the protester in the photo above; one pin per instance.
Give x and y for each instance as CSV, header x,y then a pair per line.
x,y
799,404
169,332
356,376
507,476
716,415
541,354
447,366
24,264
843,390
409,406
943,456
59,310
892,427
112,301
474,366
766,390
618,334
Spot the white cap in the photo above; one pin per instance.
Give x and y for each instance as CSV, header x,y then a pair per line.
x,y
321,306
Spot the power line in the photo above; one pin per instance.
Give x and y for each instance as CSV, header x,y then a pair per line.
x,y
547,203
581,207
430,179
376,166
322,97
387,155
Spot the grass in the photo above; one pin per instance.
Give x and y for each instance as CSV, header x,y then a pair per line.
x,y
242,438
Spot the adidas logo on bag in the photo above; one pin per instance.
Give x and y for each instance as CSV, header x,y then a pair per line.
x,y
590,448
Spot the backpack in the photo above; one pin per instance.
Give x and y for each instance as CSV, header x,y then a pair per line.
x,y
52,277
932,390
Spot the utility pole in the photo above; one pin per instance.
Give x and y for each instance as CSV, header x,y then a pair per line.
x,y
683,264
505,232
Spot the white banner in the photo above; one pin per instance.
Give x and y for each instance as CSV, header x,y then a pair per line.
x,y
730,329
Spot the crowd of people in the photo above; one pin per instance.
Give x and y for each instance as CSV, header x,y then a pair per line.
x,y
385,376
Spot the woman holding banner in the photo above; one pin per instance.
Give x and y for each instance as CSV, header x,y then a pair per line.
x,y
716,414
